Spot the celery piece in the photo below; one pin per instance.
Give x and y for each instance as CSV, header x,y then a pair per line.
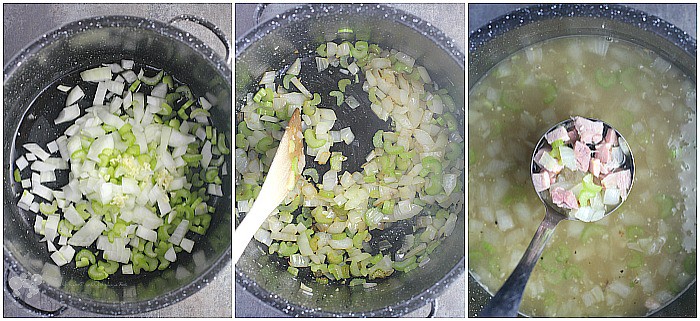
x,y
339,97
310,139
635,259
336,161
199,112
335,257
665,204
435,186
259,95
377,139
402,265
152,81
184,90
316,100
293,271
634,232
388,207
629,77
431,164
287,249
18,177
321,50
592,231
549,92
135,86
97,272
264,145
285,81
450,121
393,149
563,253
555,148
510,99
311,172
165,109
605,78
221,144
343,83
85,254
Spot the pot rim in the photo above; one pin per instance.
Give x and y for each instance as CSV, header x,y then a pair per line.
x,y
526,15
121,21
439,39
621,13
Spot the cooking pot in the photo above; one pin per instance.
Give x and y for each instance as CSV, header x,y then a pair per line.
x,y
272,46
77,46
503,36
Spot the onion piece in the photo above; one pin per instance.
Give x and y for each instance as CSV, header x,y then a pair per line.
x,y
97,74
74,95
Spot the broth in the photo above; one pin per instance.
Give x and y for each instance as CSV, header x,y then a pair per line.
x,y
637,259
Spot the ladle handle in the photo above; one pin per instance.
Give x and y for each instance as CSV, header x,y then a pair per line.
x,y
507,300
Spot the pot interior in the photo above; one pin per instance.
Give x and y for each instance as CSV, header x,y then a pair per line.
x,y
274,46
497,41
31,103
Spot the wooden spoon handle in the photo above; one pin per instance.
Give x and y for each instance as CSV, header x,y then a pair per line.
x,y
279,181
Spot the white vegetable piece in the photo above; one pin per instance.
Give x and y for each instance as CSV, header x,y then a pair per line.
x,y
21,163
51,227
170,254
74,95
87,234
36,150
52,146
97,74
146,234
179,232
71,214
187,245
63,256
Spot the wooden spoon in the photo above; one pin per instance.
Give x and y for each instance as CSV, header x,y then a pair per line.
x,y
281,178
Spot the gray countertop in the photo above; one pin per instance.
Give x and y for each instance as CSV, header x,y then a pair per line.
x,y
683,16
23,23
450,19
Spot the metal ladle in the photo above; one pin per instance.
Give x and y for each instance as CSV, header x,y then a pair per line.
x,y
506,302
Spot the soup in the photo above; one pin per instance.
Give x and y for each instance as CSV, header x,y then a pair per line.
x,y
632,262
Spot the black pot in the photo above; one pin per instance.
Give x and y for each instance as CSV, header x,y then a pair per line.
x,y
270,46
501,37
74,47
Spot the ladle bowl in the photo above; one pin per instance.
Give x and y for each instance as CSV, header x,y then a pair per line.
x,y
507,300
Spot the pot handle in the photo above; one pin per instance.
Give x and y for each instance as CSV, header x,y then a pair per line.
x,y
210,26
433,307
40,312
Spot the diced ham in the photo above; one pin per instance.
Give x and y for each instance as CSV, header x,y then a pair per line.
x,y
620,179
564,198
573,136
583,156
595,167
541,181
590,132
558,133
611,137
603,153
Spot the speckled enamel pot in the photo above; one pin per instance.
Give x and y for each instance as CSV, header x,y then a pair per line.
x,y
509,33
270,46
75,47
